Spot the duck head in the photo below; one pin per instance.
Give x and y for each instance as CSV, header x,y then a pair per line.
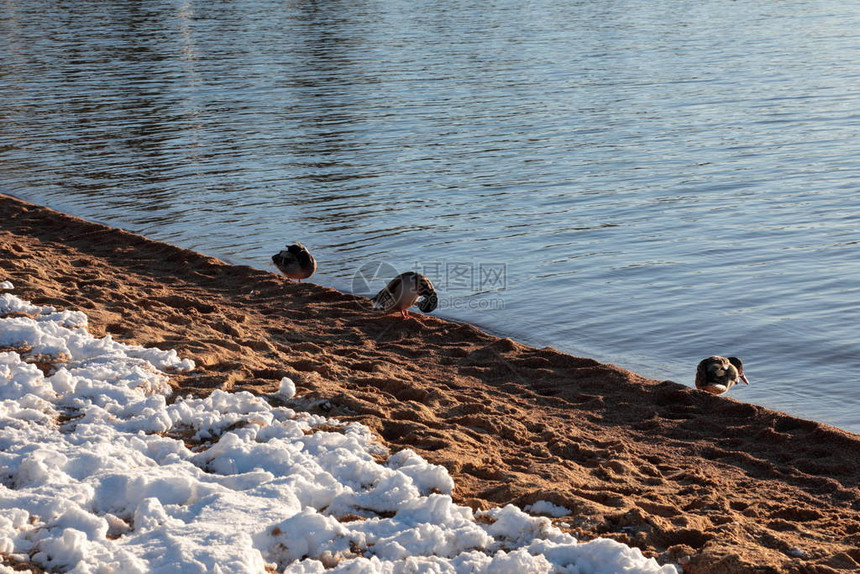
x,y
739,365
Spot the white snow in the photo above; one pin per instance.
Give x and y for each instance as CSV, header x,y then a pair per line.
x,y
287,388
547,508
96,476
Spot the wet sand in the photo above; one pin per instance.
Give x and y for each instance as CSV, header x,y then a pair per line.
x,y
714,484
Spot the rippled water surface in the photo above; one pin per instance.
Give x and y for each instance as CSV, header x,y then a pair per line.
x,y
647,183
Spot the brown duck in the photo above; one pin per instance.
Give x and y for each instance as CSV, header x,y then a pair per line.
x,y
406,290
296,262
716,374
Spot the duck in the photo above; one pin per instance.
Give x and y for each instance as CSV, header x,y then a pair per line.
x,y
404,291
296,262
716,375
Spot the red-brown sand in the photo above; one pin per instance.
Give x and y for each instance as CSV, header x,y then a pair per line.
x,y
720,485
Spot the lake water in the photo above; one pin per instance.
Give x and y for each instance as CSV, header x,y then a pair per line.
x,y
646,183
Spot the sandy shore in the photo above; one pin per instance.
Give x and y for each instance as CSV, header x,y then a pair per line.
x,y
719,485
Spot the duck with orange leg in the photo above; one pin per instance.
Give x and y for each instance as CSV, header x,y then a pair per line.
x,y
404,291
296,262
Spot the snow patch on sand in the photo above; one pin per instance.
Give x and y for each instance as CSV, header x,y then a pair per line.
x,y
98,473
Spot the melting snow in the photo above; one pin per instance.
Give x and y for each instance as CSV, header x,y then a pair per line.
x,y
96,476
547,508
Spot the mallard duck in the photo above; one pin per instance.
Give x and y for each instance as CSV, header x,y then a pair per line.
x,y
296,262
404,291
716,374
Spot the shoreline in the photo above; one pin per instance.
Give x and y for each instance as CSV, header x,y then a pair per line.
x,y
719,485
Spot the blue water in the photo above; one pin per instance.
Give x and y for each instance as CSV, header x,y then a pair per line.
x,y
646,183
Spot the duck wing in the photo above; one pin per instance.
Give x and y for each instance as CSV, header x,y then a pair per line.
x,y
285,259
716,375
386,299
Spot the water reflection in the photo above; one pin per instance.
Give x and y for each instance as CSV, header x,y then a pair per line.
x,y
661,182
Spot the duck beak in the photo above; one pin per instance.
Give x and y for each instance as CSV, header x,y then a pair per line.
x,y
744,379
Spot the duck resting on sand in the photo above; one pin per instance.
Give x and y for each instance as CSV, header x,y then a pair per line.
x,y
296,262
404,291
716,374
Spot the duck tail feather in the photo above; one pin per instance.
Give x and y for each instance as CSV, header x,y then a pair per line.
x,y
382,300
